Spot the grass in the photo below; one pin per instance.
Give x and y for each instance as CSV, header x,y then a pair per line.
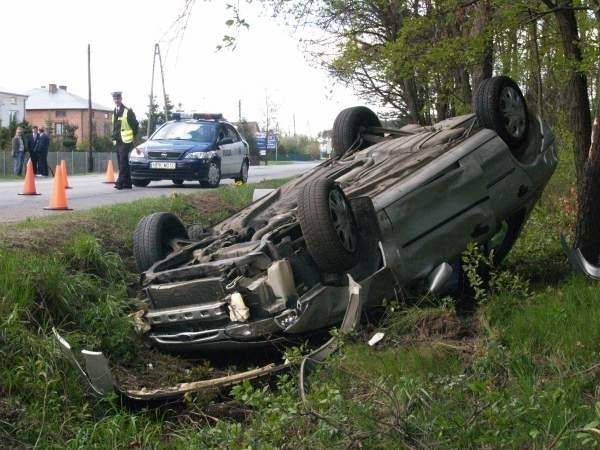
x,y
521,373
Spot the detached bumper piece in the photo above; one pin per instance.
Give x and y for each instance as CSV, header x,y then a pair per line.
x,y
100,379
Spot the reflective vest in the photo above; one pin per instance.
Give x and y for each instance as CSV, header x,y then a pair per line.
x,y
126,130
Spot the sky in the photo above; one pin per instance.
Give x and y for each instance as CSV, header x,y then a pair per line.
x,y
46,42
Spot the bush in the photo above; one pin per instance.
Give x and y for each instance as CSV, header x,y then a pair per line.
x,y
100,144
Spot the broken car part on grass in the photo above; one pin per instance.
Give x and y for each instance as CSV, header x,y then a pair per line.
x,y
392,209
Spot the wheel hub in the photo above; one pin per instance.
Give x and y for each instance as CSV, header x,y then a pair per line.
x,y
513,111
342,220
213,173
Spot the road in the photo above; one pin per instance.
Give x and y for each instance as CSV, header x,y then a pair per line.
x,y
89,191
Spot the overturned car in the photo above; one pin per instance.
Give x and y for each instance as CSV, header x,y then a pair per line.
x,y
391,208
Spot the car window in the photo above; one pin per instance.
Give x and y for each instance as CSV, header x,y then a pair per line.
x,y
232,133
189,131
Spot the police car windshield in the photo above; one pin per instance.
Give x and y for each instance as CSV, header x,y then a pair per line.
x,y
188,131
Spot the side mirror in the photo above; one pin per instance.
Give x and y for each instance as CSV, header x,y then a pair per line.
x,y
144,138
225,141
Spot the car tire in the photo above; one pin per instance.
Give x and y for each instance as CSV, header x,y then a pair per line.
x,y
177,182
243,175
348,127
153,236
213,178
141,183
328,226
500,106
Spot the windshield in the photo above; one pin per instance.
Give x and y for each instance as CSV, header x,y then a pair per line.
x,y
189,131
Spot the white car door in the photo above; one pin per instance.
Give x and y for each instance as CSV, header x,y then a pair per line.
x,y
237,150
226,149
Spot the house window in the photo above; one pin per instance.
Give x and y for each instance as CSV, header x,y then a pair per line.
x,y
58,128
61,114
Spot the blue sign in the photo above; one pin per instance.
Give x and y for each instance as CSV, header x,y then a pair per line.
x,y
262,143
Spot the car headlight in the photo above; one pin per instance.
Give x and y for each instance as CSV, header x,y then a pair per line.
x,y
201,155
137,154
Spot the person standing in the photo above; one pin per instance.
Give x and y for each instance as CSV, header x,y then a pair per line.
x,y
31,143
125,127
41,150
18,151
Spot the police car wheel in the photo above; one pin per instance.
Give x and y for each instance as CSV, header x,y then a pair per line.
x,y
141,183
177,182
213,177
154,237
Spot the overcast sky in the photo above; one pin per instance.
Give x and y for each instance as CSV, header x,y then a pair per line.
x,y
46,42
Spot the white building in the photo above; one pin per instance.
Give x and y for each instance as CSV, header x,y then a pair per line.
x,y
12,106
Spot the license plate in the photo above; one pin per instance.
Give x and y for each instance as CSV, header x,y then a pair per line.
x,y
162,165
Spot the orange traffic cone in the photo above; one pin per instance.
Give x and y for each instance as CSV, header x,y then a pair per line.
x,y
58,198
110,173
63,168
29,185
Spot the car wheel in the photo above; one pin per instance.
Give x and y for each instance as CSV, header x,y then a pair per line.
x,y
500,106
140,183
177,182
348,127
328,226
243,176
155,237
213,178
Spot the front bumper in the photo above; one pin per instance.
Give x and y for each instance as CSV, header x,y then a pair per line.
x,y
189,170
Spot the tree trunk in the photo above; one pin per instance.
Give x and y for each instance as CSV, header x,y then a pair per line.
x,y
577,87
485,67
587,231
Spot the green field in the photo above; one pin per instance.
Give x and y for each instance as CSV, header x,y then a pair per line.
x,y
522,372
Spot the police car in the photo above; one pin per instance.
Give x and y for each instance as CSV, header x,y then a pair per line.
x,y
192,147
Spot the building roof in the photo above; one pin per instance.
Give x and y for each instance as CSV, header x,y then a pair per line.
x,y
42,98
11,92
252,126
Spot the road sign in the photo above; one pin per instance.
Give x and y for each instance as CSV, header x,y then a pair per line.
x,y
262,143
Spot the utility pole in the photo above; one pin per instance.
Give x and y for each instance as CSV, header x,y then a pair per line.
x,y
162,77
90,159
151,105
267,131
240,111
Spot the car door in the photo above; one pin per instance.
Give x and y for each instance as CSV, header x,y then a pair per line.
x,y
226,148
434,222
237,150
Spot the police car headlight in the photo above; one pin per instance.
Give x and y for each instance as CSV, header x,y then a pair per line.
x,y
137,154
200,155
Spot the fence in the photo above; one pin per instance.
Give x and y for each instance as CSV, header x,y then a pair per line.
x,y
76,161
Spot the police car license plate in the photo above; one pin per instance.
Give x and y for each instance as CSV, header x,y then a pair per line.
x,y
162,165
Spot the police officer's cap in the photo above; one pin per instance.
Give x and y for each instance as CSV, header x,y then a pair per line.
x,y
116,94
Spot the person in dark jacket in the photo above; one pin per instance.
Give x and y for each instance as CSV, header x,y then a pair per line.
x,y
31,143
125,127
41,148
18,151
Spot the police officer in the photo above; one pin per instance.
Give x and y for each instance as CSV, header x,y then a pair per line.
x,y
125,127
